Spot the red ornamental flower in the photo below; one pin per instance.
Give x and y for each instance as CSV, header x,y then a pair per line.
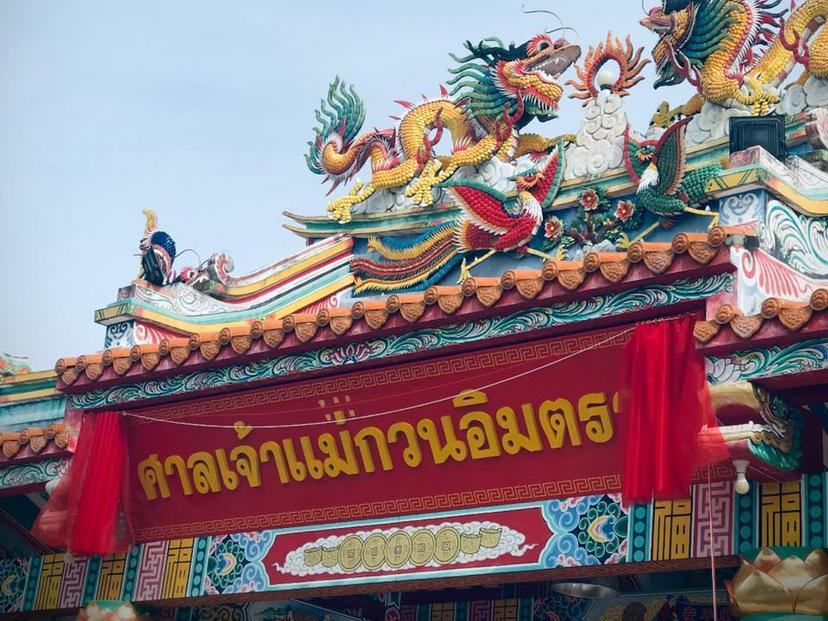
x,y
552,228
624,210
590,200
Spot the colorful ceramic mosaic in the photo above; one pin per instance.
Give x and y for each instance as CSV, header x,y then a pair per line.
x,y
31,473
754,363
587,531
592,530
234,563
13,574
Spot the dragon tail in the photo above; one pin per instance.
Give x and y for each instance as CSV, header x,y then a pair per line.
x,y
335,150
403,265
340,118
802,39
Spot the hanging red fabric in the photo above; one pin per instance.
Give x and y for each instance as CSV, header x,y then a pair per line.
x,y
667,403
85,513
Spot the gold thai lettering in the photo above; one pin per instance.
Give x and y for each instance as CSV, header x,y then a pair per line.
x,y
338,461
273,450
176,463
205,472
481,438
380,446
246,460
594,411
450,447
229,477
315,466
412,454
152,479
557,417
298,470
514,440
474,435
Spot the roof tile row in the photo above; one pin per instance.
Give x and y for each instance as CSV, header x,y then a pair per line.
x,y
488,291
791,315
35,438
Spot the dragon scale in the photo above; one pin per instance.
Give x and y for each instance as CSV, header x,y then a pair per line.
x,y
496,91
716,45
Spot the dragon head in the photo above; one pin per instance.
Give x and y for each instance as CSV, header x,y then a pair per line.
x,y
673,21
521,79
691,31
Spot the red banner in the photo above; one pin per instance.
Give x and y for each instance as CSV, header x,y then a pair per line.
x,y
524,422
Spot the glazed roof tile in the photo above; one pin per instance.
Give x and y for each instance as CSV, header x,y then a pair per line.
x,y
556,279
776,315
34,440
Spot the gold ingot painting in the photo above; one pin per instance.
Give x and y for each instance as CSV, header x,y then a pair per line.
x,y
490,537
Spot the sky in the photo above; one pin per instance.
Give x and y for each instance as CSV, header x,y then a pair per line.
x,y
202,111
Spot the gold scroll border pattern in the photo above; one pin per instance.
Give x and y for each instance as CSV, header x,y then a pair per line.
x,y
387,508
529,352
405,547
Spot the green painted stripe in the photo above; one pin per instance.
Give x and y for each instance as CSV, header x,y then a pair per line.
x,y
14,416
32,581
92,573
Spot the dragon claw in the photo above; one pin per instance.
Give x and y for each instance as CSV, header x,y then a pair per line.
x,y
623,242
560,253
465,274
761,101
420,190
340,209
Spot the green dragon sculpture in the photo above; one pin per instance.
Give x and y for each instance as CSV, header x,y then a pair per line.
x,y
496,91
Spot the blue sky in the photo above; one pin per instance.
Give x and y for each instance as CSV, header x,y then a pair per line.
x,y
201,111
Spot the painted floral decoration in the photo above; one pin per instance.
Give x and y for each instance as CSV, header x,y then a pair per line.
x,y
597,219
591,199
624,210
350,354
553,228
225,564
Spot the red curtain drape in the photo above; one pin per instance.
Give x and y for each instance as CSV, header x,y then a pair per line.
x,y
667,404
85,513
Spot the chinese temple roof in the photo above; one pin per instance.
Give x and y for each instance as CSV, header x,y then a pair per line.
x,y
32,413
499,243
34,440
777,316
26,387
642,262
529,221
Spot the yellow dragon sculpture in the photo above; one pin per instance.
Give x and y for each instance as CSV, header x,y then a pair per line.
x,y
496,90
715,45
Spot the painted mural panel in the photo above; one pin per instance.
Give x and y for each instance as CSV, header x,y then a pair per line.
x,y
589,530
575,532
